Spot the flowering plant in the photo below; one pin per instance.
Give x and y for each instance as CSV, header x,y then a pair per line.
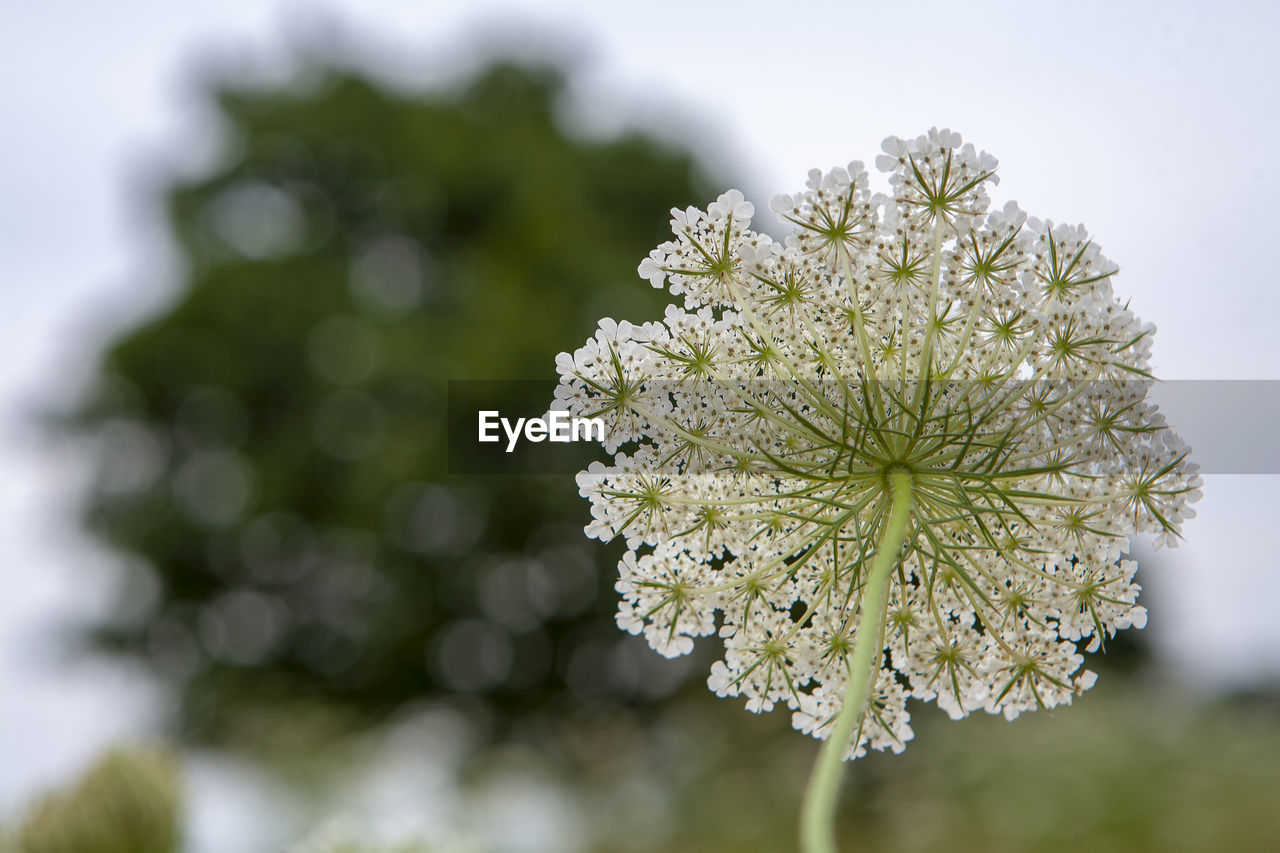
x,y
898,454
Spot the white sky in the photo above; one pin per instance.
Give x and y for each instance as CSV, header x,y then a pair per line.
x,y
1153,123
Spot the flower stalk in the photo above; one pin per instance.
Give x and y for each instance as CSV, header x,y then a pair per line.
x,y
817,815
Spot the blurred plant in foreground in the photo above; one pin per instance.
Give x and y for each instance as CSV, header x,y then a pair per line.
x,y
128,802
131,801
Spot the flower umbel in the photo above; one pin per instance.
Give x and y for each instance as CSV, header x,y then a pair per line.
x,y
899,454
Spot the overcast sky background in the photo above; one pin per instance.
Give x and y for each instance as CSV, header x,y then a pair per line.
x,y
1155,124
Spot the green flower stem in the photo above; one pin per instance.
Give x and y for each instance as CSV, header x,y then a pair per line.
x,y
817,815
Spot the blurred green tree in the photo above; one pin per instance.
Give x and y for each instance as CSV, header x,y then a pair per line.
x,y
271,448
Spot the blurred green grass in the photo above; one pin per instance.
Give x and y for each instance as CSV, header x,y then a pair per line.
x,y
1127,768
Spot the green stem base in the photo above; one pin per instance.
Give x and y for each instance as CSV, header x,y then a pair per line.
x,y
817,814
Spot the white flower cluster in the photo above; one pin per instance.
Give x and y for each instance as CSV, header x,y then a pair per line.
x,y
980,356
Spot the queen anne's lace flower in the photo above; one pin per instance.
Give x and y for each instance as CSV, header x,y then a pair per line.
x,y
977,358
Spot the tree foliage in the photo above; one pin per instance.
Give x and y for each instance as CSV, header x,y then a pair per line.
x,y
272,446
